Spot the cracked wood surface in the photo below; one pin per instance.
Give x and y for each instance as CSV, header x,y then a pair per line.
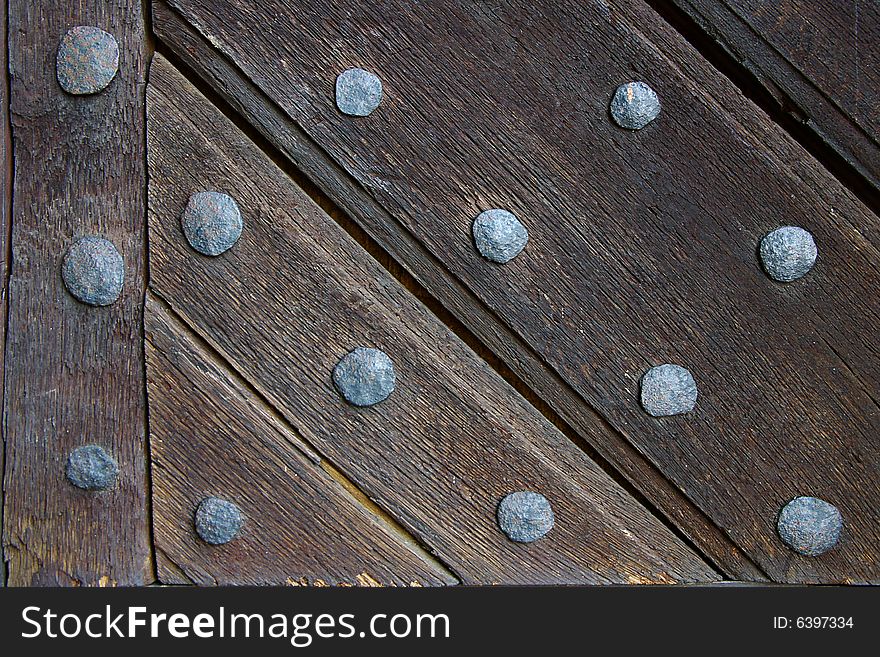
x,y
296,293
642,244
74,374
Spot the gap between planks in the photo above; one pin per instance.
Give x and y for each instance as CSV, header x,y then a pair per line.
x,y
7,166
358,497
448,319
150,49
795,125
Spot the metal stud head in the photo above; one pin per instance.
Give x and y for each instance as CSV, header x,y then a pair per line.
x,y
91,468
499,235
809,526
525,516
211,222
358,92
93,271
364,376
87,60
634,105
218,521
668,390
788,253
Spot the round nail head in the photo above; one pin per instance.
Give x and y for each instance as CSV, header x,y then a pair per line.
x,y
211,222
499,235
788,253
525,516
218,521
358,92
87,60
668,390
364,376
93,271
809,526
91,468
634,105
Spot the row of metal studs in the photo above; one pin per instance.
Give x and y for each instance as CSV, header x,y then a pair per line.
x,y
93,271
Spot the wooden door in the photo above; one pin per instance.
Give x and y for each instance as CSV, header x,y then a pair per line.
x,y
247,445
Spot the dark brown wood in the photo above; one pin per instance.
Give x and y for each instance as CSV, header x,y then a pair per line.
x,y
74,374
209,435
515,357
296,293
5,225
642,244
818,60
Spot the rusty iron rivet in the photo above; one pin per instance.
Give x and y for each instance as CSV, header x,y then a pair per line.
x,y
218,521
668,390
358,92
93,271
499,235
364,376
809,526
211,222
91,468
634,105
788,253
525,516
87,60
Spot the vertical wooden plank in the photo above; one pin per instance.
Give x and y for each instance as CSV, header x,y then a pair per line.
x,y
5,203
75,373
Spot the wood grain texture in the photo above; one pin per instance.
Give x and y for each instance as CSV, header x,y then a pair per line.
x,y
409,258
818,60
5,225
296,293
642,244
74,374
211,436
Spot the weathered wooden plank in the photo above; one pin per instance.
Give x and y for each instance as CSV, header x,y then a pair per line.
x,y
508,350
664,269
74,373
5,226
209,436
817,60
834,45
452,439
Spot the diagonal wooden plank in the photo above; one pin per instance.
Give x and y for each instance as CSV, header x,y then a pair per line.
x,y
74,373
211,437
296,293
643,249
514,356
